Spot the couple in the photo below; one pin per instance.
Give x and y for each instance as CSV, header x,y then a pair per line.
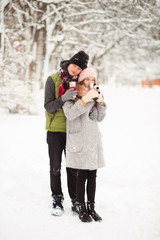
x,y
71,124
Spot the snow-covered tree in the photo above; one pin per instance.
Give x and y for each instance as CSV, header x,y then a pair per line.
x,y
122,39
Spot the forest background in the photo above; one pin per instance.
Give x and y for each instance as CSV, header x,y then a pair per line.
x,y
122,39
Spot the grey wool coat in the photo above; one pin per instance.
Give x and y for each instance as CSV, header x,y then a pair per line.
x,y
84,145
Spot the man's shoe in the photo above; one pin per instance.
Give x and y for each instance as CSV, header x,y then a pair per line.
x,y
57,206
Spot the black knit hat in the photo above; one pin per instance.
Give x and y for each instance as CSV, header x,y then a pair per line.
x,y
80,59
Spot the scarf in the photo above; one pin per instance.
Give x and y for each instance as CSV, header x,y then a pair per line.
x,y
65,79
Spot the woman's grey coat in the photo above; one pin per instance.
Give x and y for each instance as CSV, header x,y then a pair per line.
x,y
84,146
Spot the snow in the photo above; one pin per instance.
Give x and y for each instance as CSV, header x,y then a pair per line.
x,y
128,188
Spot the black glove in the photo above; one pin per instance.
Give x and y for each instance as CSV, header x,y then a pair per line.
x,y
69,95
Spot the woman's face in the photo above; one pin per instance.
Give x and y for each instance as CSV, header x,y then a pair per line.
x,y
74,70
87,81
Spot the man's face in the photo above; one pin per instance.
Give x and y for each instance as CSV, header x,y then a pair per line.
x,y
74,70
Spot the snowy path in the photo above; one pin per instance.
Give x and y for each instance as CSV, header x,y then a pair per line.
x,y
128,189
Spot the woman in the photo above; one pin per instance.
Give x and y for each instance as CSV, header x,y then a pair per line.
x,y
84,147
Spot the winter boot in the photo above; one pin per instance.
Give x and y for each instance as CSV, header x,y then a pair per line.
x,y
83,214
57,205
92,212
75,205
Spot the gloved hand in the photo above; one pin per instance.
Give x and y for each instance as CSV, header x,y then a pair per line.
x,y
100,98
90,95
69,95
96,87
93,113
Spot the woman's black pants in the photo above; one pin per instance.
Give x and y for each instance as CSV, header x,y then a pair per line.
x,y
86,179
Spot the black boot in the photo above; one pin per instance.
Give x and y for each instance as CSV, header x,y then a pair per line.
x,y
75,205
57,205
83,214
92,212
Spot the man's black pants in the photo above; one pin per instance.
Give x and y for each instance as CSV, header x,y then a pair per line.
x,y
56,145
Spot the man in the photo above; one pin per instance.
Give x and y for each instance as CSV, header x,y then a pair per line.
x,y
56,93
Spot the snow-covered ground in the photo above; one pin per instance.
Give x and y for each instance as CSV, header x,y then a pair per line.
x,y
128,188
